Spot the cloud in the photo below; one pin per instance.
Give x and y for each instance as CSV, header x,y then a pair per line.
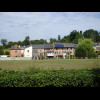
x,y
15,26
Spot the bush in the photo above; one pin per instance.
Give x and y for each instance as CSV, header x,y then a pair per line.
x,y
51,78
7,53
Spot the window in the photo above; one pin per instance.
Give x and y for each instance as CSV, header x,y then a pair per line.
x,y
15,51
40,50
28,51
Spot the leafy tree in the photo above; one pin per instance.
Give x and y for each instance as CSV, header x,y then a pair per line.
x,y
80,51
4,42
42,41
52,40
85,48
27,40
93,34
65,39
19,43
74,36
10,43
77,37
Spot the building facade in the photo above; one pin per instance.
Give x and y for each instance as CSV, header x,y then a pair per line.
x,y
57,50
16,51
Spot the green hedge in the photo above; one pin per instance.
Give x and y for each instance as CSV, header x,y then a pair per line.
x,y
50,78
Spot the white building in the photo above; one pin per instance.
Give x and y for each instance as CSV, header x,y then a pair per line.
x,y
28,51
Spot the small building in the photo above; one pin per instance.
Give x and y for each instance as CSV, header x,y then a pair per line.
x,y
16,51
27,51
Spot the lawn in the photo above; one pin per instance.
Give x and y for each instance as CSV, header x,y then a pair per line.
x,y
50,64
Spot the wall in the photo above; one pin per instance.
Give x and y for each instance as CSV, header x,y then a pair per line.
x,y
15,58
13,54
26,53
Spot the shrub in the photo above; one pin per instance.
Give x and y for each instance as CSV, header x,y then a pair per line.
x,y
51,78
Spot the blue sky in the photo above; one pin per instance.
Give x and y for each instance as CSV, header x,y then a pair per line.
x,y
14,26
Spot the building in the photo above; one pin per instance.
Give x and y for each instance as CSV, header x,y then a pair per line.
x,y
63,50
17,51
96,47
40,51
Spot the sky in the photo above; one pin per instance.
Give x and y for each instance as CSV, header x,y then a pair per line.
x,y
15,26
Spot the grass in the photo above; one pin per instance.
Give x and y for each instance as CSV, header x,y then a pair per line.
x,y
51,64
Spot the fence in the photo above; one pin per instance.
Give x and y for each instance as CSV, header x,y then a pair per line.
x,y
15,58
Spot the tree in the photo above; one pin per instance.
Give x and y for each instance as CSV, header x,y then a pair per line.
x,y
10,43
65,39
1,50
77,37
74,36
93,34
52,40
58,38
4,42
85,48
42,41
27,40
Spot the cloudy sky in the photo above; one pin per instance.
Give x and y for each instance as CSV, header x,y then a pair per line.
x,y
14,26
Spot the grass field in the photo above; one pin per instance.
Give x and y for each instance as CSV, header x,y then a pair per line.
x,y
50,64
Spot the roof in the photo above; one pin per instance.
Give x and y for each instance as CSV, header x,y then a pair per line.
x,y
40,46
37,46
21,47
60,45
70,45
48,46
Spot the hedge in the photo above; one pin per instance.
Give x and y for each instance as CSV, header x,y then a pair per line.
x,y
51,78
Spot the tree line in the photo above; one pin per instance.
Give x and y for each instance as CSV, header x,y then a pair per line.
x,y
73,37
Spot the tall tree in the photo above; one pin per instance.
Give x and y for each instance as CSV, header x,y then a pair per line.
x,y
74,36
85,48
59,38
93,34
27,40
4,42
10,43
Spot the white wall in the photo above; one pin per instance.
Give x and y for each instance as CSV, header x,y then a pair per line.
x,y
50,54
15,58
26,53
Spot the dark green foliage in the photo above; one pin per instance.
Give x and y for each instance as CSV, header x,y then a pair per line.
x,y
1,50
93,34
7,53
27,40
41,41
50,78
85,49
52,40
4,42
74,36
